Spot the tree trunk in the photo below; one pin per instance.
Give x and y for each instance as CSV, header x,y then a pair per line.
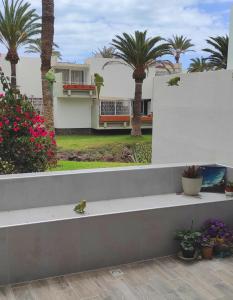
x,y
177,58
47,36
136,120
13,76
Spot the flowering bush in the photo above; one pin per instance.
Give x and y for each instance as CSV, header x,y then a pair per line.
x,y
215,228
24,141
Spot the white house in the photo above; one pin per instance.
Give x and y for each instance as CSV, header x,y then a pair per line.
x,y
76,106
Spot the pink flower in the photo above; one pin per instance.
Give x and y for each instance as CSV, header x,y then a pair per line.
x,y
1,139
1,124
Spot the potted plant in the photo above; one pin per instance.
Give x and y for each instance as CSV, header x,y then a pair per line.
x,y
229,189
222,236
207,244
192,180
188,242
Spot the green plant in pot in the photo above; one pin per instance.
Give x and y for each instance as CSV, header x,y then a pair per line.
x,y
192,180
229,189
188,241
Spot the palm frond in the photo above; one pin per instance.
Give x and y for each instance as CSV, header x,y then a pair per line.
x,y
218,53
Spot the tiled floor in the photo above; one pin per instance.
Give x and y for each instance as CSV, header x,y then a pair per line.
x,y
164,278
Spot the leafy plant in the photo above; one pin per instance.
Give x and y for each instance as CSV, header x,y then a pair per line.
x,y
188,238
6,167
206,241
192,172
215,228
25,144
142,153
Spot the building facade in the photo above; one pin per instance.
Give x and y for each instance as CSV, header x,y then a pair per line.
x,y
76,105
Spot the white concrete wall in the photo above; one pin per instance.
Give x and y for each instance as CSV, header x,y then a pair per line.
x,y
72,113
193,122
28,74
118,81
230,50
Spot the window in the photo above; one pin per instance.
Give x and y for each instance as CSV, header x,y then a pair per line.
x,y
107,108
115,108
122,108
146,107
77,77
65,75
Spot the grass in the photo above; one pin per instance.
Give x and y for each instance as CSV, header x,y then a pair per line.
x,y
86,142
73,165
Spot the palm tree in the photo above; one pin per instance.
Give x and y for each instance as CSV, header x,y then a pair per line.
x,y
105,52
35,47
18,24
179,45
47,36
198,65
139,53
218,51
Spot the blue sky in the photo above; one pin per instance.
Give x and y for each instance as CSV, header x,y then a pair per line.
x,y
84,26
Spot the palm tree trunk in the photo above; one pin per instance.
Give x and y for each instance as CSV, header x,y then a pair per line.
x,y
47,36
13,76
177,58
136,120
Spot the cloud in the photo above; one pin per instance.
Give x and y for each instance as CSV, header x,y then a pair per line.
x,y
84,26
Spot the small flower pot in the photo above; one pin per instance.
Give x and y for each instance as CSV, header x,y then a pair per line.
x,y
229,192
207,252
192,186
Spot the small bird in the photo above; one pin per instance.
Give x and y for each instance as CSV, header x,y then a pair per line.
x,y
80,207
174,81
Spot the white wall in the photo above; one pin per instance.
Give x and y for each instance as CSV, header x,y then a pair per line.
x,y
118,81
72,113
28,74
194,122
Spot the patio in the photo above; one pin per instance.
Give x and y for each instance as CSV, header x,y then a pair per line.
x,y
162,278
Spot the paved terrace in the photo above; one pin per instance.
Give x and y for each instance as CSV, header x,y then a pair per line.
x,y
158,279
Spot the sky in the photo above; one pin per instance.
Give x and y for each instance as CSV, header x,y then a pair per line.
x,y
83,26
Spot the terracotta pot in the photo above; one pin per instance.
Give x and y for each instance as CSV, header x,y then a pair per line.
x,y
207,252
192,186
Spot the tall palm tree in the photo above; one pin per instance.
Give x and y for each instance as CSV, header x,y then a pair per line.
x,y
47,36
35,47
105,52
18,24
198,65
139,53
179,45
218,51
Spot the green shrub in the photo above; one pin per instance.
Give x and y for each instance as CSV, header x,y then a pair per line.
x,y
142,153
6,167
25,144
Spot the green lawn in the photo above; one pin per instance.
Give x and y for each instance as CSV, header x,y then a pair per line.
x,y
85,142
73,165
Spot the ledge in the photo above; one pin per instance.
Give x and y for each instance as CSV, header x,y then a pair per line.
x,y
106,207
